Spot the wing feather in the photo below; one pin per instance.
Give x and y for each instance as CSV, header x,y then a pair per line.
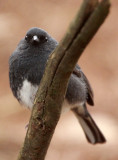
x,y
78,72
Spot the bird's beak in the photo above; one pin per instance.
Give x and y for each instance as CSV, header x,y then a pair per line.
x,y
35,38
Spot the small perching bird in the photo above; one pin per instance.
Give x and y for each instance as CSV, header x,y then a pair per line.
x,y
26,68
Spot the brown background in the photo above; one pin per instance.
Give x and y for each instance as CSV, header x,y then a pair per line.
x,y
99,62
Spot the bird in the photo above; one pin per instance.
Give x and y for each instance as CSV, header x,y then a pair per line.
x,y
26,67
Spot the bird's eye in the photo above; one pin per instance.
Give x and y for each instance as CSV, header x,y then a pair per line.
x,y
43,38
28,37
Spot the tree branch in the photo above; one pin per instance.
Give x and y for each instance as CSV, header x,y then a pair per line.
x,y
51,92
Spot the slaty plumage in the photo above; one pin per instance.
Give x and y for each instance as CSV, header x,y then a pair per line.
x,y
26,68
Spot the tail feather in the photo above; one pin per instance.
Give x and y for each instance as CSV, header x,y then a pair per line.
x,y
91,130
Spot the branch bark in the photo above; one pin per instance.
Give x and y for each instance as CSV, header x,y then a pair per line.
x,y
51,92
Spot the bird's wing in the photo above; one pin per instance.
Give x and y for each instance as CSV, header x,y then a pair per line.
x,y
78,72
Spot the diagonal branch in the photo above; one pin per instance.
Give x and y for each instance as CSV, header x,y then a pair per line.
x,y
50,96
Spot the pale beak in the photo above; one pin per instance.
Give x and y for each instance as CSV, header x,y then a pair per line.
x,y
35,38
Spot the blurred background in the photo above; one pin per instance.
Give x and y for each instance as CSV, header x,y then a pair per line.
x,y
99,62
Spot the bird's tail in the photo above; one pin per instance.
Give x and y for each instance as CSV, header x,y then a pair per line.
x,y
91,130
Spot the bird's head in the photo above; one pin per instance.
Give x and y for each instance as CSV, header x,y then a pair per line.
x,y
39,41
36,36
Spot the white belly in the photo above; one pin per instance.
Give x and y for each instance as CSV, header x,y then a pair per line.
x,y
27,95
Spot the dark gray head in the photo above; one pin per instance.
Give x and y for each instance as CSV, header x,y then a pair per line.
x,y
38,38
